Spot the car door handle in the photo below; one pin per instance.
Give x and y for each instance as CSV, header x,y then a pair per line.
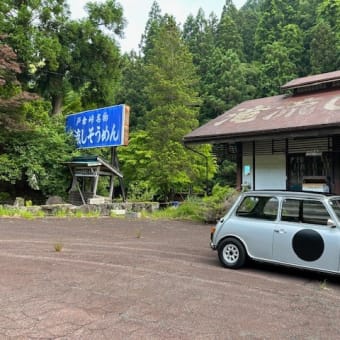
x,y
280,231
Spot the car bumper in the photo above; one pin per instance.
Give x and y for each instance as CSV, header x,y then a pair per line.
x,y
212,231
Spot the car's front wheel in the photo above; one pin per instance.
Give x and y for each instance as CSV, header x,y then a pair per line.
x,y
232,253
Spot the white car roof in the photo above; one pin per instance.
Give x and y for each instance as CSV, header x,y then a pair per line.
x,y
294,194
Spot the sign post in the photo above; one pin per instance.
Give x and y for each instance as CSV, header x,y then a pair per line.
x,y
104,127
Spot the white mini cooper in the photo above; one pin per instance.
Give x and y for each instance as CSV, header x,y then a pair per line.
x,y
300,229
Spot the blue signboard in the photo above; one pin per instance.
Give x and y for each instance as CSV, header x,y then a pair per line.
x,y
98,128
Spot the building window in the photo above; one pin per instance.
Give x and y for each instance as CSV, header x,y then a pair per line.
x,y
301,166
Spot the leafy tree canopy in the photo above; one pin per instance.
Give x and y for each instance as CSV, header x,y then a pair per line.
x,y
58,53
11,95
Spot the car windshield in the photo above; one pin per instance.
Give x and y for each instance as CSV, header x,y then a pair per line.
x,y
335,204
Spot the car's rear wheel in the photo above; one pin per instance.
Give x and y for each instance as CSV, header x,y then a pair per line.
x,y
232,253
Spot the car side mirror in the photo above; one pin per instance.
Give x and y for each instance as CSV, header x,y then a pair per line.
x,y
330,223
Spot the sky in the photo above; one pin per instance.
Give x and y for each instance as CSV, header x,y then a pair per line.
x,y
136,13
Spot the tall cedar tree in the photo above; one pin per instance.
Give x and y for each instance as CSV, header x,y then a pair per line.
x,y
172,93
279,45
151,29
276,14
329,12
323,55
226,83
132,87
132,91
247,22
228,34
199,34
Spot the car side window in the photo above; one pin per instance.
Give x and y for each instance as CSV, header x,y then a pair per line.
x,y
258,207
305,211
315,212
291,210
335,204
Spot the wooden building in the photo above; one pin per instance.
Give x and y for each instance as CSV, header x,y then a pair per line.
x,y
287,142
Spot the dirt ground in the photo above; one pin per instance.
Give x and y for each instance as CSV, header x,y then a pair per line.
x,y
144,279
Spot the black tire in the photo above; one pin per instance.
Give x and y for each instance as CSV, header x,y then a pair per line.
x,y
232,253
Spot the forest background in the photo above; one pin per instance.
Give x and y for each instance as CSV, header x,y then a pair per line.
x,y
182,76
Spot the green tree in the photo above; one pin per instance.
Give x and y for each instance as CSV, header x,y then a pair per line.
x,y
329,12
134,160
323,55
133,83
132,90
12,98
276,14
172,93
31,159
226,84
292,38
226,174
307,15
95,65
249,16
151,29
31,143
276,69
58,53
228,35
199,34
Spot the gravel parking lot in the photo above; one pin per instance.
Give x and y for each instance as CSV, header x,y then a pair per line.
x,y
146,279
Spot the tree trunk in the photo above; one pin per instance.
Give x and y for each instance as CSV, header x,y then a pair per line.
x,y
57,103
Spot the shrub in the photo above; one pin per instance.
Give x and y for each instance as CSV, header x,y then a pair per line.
x,y
218,203
206,209
140,191
5,197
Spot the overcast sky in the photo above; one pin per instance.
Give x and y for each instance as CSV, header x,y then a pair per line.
x,y
136,13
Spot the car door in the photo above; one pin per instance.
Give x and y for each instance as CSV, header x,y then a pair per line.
x,y
253,223
303,238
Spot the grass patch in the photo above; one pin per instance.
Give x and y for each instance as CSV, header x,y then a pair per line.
x,y
23,213
61,213
92,214
4,212
138,233
187,210
27,215
58,247
323,285
77,214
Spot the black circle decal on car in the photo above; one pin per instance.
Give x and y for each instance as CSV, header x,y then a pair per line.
x,y
308,245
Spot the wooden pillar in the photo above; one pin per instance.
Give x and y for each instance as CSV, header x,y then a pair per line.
x,y
112,180
95,184
287,164
254,164
336,166
115,164
239,166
